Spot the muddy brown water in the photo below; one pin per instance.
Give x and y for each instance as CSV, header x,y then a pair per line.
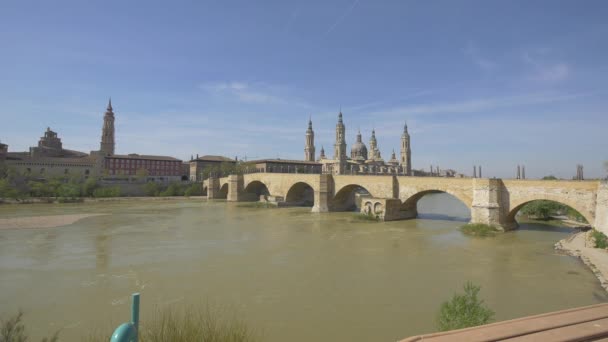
x,y
292,274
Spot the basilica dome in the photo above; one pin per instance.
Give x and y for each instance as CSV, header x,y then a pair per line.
x,y
358,151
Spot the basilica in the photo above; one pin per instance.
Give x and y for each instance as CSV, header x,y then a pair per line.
x,y
361,160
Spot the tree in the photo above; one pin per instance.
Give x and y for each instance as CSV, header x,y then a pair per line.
x,y
89,186
151,189
464,310
6,190
550,177
69,190
542,209
141,173
195,189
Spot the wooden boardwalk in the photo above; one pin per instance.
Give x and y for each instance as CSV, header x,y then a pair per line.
x,y
589,323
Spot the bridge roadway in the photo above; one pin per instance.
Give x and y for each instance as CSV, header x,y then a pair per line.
x,y
491,201
589,323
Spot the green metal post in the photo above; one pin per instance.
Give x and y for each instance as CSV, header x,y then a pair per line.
x,y
135,314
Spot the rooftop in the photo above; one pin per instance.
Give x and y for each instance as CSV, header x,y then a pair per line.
x,y
283,161
142,156
215,158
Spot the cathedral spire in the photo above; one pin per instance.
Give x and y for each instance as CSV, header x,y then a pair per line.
x,y
107,132
406,152
309,148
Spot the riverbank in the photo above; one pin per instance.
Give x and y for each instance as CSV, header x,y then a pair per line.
x,y
596,259
48,200
34,222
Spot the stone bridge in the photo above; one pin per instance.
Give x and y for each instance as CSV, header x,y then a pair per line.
x,y
491,201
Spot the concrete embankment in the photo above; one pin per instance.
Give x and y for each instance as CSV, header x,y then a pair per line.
x,y
581,246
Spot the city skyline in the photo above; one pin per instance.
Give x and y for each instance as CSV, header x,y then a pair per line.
x,y
531,96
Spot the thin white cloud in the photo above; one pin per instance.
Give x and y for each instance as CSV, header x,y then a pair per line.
x,y
546,72
476,105
342,17
245,92
483,63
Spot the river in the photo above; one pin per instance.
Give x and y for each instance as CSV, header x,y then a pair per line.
x,y
292,274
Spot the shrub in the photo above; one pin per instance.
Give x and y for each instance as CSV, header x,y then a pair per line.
x,y
151,189
600,240
174,189
107,192
191,324
195,189
89,186
464,310
68,190
479,229
368,216
13,330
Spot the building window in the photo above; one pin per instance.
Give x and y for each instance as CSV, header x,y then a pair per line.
x,y
86,172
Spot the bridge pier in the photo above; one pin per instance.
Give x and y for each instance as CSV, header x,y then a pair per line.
x,y
235,188
323,195
601,209
213,188
487,207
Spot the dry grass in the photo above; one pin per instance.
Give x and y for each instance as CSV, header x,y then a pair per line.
x,y
203,323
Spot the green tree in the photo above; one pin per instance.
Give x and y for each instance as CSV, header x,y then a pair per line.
x,y
195,189
550,177
7,190
174,189
464,310
89,186
151,189
39,189
69,190
107,192
542,209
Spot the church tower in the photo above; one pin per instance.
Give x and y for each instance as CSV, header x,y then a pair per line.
x,y
107,133
373,146
340,145
406,152
309,149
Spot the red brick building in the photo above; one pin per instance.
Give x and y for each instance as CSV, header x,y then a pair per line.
x,y
158,167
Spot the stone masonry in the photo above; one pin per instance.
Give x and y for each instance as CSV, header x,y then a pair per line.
x,y
491,201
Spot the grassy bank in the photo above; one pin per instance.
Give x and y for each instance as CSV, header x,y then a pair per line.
x,y
479,229
194,323
366,217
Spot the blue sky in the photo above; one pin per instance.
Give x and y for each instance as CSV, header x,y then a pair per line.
x,y
479,82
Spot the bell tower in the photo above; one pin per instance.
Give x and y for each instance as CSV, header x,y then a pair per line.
x,y
406,152
309,148
107,132
340,145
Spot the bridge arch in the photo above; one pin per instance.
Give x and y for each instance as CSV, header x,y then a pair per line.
x,y
254,189
410,204
516,206
300,194
223,193
346,198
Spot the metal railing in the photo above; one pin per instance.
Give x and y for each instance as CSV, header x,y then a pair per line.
x,y
128,332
